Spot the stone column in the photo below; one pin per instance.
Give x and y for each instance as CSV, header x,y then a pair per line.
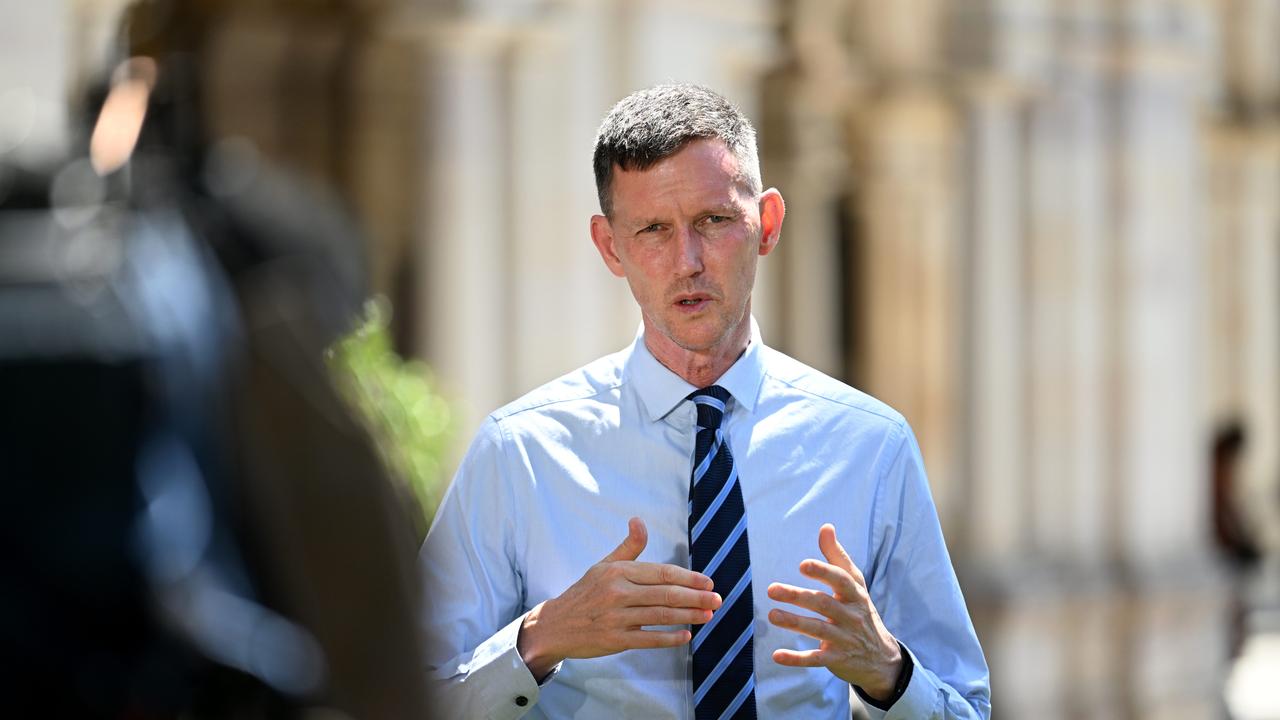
x,y
1172,631
1016,601
1158,299
907,203
1027,181
805,154
1072,336
461,243
911,310
997,505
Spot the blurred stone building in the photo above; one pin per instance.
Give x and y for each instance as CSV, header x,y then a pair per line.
x,y
1047,231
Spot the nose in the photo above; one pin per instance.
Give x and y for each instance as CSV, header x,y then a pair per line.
x,y
688,252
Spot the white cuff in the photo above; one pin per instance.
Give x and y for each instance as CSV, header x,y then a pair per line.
x,y
506,688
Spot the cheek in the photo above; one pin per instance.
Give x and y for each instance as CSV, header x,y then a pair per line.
x,y
645,268
744,267
644,284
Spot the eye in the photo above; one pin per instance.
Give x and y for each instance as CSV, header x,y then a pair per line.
x,y
650,228
716,223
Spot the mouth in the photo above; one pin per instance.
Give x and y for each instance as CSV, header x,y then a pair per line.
x,y
692,302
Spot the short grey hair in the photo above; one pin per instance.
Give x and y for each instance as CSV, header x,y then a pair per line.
x,y
649,125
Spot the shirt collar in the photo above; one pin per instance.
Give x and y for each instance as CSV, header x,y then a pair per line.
x,y
661,390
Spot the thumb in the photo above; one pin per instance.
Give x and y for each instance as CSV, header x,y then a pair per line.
x,y
630,549
836,554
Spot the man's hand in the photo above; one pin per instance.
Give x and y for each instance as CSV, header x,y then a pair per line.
x,y
855,645
605,611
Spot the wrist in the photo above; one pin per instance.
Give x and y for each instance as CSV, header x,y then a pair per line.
x,y
881,689
899,672
532,646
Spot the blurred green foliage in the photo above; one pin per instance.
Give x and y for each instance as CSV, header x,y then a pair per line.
x,y
397,398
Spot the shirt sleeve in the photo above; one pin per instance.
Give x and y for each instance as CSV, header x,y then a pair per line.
x,y
914,587
474,593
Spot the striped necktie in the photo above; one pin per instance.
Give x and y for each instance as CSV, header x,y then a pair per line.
x,y
723,678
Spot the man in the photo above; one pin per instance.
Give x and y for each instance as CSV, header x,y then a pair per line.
x,y
781,546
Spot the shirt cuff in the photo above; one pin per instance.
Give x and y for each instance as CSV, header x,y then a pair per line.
x,y
508,689
916,701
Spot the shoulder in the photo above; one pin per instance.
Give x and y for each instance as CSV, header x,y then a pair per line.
x,y
787,376
552,414
593,383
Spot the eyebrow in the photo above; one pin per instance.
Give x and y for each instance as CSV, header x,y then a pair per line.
x,y
725,208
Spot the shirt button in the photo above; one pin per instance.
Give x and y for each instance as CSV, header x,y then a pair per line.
x,y
522,700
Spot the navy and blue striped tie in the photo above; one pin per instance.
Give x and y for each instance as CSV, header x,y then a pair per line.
x,y
723,677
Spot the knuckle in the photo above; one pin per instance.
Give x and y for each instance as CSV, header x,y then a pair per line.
x,y
612,594
615,641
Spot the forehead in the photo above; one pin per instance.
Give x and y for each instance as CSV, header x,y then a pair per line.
x,y
703,173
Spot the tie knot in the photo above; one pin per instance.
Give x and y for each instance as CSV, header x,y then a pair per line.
x,y
711,403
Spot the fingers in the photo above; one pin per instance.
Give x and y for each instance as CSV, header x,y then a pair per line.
x,y
836,554
673,596
839,580
637,617
641,639
630,549
813,627
802,658
818,602
666,574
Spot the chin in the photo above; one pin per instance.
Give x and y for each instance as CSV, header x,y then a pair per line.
x,y
696,334
698,339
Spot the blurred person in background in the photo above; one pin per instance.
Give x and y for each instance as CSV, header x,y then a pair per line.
x,y
194,523
779,544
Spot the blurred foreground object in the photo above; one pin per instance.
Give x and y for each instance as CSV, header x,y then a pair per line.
x,y
194,524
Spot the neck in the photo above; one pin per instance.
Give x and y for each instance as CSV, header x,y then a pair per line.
x,y
699,368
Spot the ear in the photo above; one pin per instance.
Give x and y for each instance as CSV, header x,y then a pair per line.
x,y
772,210
602,236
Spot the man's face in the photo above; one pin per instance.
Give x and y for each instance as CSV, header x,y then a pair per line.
x,y
686,233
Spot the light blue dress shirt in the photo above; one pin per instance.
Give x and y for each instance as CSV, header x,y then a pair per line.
x,y
550,480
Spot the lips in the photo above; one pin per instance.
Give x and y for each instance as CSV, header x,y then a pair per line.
x,y
691,301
